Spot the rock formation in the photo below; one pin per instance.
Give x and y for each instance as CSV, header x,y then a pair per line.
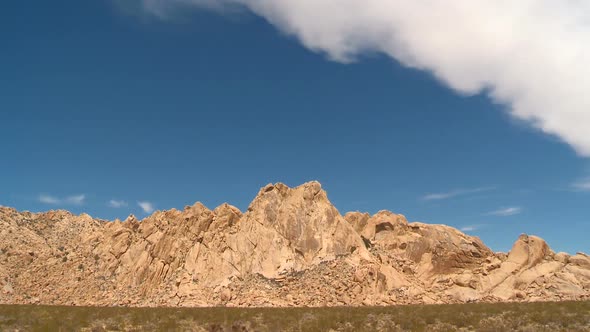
x,y
290,248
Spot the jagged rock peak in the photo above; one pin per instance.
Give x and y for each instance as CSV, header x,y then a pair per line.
x,y
227,207
225,216
53,215
131,218
197,206
309,190
290,248
6,209
529,250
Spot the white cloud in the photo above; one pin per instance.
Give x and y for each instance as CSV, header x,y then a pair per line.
x,y
469,228
581,185
530,55
47,199
117,204
505,212
147,207
455,193
70,200
75,200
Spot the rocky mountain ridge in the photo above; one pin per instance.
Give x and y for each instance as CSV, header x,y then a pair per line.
x,y
290,248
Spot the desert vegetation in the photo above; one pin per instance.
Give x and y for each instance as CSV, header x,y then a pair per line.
x,y
542,316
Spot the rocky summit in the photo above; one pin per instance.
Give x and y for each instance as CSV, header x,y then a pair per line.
x,y
290,248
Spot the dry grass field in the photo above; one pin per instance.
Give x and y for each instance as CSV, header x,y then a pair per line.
x,y
563,316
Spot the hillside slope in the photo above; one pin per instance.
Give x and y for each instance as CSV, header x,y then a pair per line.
x,y
290,248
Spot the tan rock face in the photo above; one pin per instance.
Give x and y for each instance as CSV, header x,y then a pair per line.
x,y
436,249
290,248
581,260
358,220
287,230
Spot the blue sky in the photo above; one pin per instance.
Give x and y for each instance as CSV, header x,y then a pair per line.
x,y
104,108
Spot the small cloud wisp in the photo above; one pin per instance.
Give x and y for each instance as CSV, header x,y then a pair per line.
x,y
147,207
70,200
505,212
455,193
117,204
